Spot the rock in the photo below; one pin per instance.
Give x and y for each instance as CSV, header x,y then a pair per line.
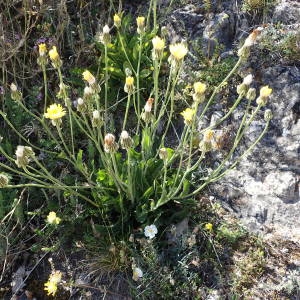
x,y
264,189
287,12
219,31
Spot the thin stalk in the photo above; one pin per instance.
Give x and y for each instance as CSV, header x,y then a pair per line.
x,y
125,53
45,87
129,176
126,112
68,104
216,90
105,87
138,82
21,136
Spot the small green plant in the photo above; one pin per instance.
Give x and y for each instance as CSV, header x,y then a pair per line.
x,y
281,42
256,5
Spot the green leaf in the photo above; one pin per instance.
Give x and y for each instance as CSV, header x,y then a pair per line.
x,y
145,73
101,175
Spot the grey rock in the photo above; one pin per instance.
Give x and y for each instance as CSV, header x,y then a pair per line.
x,y
264,189
287,12
219,30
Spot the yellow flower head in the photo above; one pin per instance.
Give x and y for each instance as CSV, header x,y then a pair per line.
x,y
265,91
50,287
52,218
158,43
178,51
129,81
188,115
208,226
199,87
117,20
54,112
87,76
53,54
42,49
140,22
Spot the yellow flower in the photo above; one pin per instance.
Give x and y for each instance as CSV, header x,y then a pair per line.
x,y
52,218
178,51
265,91
140,21
158,43
117,20
208,226
54,112
128,88
188,115
42,49
199,87
53,54
87,75
50,287
129,80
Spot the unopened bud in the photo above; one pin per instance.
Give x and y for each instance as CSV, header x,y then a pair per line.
x,y
3,181
117,21
15,93
96,119
129,85
140,22
248,79
251,94
110,145
268,116
125,140
106,35
163,153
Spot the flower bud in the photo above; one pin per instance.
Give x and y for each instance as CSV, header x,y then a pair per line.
x,y
42,49
3,181
125,140
268,116
110,145
23,154
147,116
97,120
42,59
15,93
81,107
199,95
106,35
54,57
248,79
87,76
140,22
242,89
117,21
264,94
148,105
265,91
163,154
88,93
158,47
205,146
251,94
129,85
